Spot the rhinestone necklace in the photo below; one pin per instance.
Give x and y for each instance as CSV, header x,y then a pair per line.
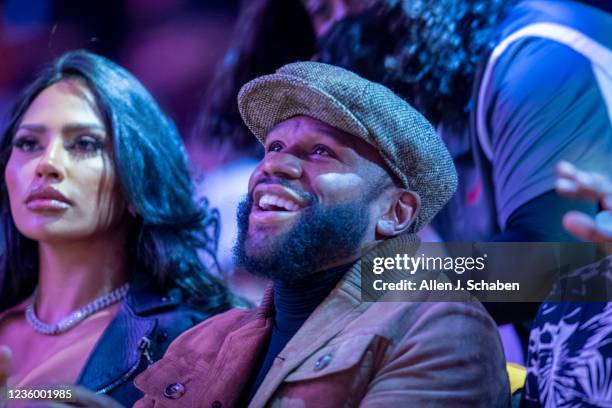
x,y
76,317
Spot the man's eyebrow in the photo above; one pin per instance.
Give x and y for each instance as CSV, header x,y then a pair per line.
x,y
332,132
339,137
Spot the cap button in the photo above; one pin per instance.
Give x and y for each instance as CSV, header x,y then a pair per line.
x,y
323,362
174,391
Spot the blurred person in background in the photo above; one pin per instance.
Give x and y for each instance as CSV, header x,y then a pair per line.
x,y
570,354
181,39
267,35
512,88
102,239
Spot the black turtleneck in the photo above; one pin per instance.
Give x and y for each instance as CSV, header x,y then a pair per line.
x,y
293,303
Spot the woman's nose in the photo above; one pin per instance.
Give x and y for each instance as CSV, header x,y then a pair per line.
x,y
51,163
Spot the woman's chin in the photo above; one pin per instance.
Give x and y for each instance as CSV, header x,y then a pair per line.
x,y
55,233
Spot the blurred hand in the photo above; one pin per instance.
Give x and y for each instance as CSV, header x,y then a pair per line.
x,y
572,182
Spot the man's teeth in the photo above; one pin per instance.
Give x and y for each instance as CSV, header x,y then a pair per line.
x,y
267,201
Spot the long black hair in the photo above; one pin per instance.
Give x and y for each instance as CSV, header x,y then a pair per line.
x,y
170,230
427,51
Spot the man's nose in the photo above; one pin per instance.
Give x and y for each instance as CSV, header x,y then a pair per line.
x,y
51,164
283,165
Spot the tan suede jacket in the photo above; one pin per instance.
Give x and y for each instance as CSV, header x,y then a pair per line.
x,y
348,353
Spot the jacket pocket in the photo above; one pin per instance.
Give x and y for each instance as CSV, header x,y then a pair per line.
x,y
336,375
337,356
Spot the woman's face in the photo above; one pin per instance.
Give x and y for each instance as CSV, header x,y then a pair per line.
x,y
60,175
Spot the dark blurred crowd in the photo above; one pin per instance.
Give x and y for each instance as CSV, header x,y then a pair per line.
x,y
172,46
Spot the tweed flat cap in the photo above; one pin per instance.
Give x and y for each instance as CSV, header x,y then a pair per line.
x,y
406,141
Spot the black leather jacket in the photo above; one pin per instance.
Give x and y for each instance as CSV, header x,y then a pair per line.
x,y
143,328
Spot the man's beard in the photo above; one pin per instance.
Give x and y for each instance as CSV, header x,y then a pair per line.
x,y
320,238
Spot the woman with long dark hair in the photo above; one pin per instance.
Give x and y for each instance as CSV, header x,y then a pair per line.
x,y
101,241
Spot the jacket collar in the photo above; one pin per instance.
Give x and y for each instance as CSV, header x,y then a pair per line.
x,y
120,351
125,344
143,298
266,307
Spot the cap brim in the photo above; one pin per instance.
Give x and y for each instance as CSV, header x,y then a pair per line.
x,y
268,100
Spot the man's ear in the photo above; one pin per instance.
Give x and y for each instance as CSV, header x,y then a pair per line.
x,y
400,215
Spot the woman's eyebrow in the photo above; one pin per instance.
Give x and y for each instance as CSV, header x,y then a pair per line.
x,y
70,127
73,127
32,127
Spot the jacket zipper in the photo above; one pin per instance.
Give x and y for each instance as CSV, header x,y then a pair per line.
x,y
143,345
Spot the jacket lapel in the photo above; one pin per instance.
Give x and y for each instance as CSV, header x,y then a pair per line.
x,y
239,354
126,342
117,354
213,364
328,319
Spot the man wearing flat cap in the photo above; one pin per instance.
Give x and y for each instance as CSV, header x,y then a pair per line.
x,y
348,165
